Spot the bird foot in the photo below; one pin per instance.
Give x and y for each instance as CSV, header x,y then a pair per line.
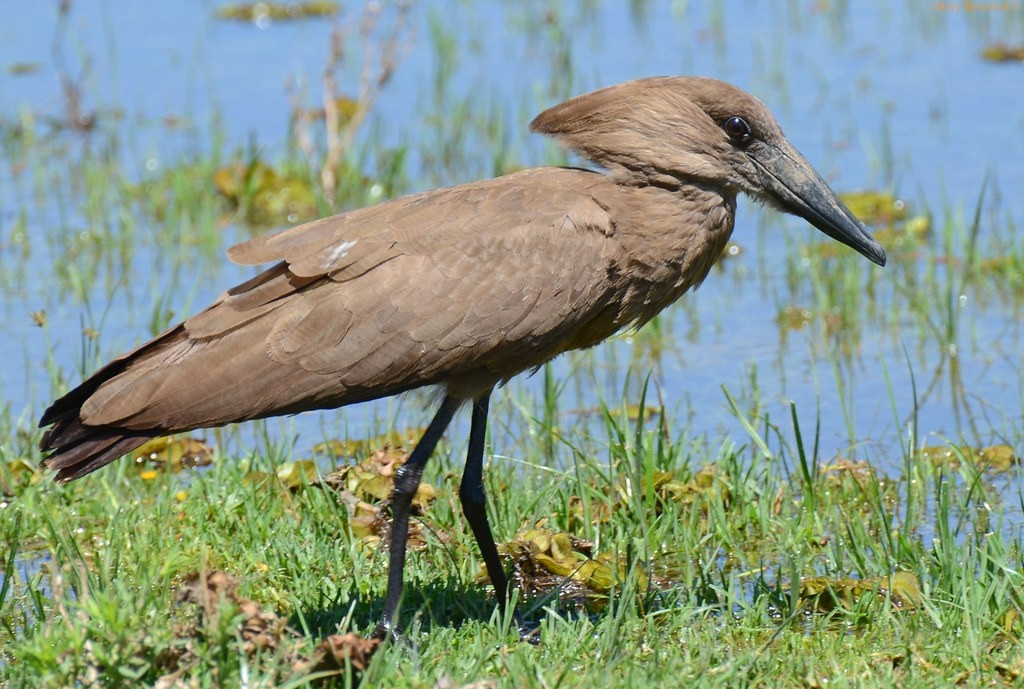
x,y
385,631
529,632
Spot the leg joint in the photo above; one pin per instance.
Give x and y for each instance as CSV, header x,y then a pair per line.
x,y
472,492
407,480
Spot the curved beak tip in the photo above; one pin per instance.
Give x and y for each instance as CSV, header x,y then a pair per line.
x,y
852,234
858,238
878,256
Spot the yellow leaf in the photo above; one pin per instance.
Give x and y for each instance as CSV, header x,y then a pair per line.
x,y
906,587
295,474
998,457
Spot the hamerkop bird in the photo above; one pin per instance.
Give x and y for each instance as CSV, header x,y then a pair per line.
x,y
464,287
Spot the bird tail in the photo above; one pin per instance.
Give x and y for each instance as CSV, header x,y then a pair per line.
x,y
77,450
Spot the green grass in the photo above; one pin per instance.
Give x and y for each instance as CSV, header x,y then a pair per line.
x,y
96,603
714,572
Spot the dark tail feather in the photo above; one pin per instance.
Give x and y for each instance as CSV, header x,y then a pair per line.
x,y
79,450
76,449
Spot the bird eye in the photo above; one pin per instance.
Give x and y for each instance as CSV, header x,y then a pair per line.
x,y
737,129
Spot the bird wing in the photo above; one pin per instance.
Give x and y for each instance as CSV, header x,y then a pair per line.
x,y
465,286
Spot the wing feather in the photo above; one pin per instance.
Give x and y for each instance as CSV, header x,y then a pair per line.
x,y
461,284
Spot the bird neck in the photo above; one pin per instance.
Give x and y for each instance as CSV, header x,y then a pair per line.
x,y
671,239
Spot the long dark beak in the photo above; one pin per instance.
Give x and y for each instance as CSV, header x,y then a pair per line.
x,y
790,183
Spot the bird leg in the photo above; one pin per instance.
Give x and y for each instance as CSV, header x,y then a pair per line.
x,y
474,501
474,507
407,481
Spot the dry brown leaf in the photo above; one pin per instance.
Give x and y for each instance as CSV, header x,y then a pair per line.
x,y
338,651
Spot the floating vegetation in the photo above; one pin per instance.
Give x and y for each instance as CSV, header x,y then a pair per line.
x,y
345,110
908,234
630,412
291,475
1003,268
394,439
22,68
264,196
840,469
794,317
893,225
994,458
1001,52
827,594
294,475
709,483
890,220
543,560
706,485
262,13
173,453
17,475
791,318
875,207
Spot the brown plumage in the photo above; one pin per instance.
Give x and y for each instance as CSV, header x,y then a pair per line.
x,y
462,287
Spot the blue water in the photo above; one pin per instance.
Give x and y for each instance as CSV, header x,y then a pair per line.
x,y
875,95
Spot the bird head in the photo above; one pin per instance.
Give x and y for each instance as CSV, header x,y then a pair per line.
x,y
670,131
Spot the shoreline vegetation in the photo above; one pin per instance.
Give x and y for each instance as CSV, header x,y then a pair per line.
x,y
653,548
